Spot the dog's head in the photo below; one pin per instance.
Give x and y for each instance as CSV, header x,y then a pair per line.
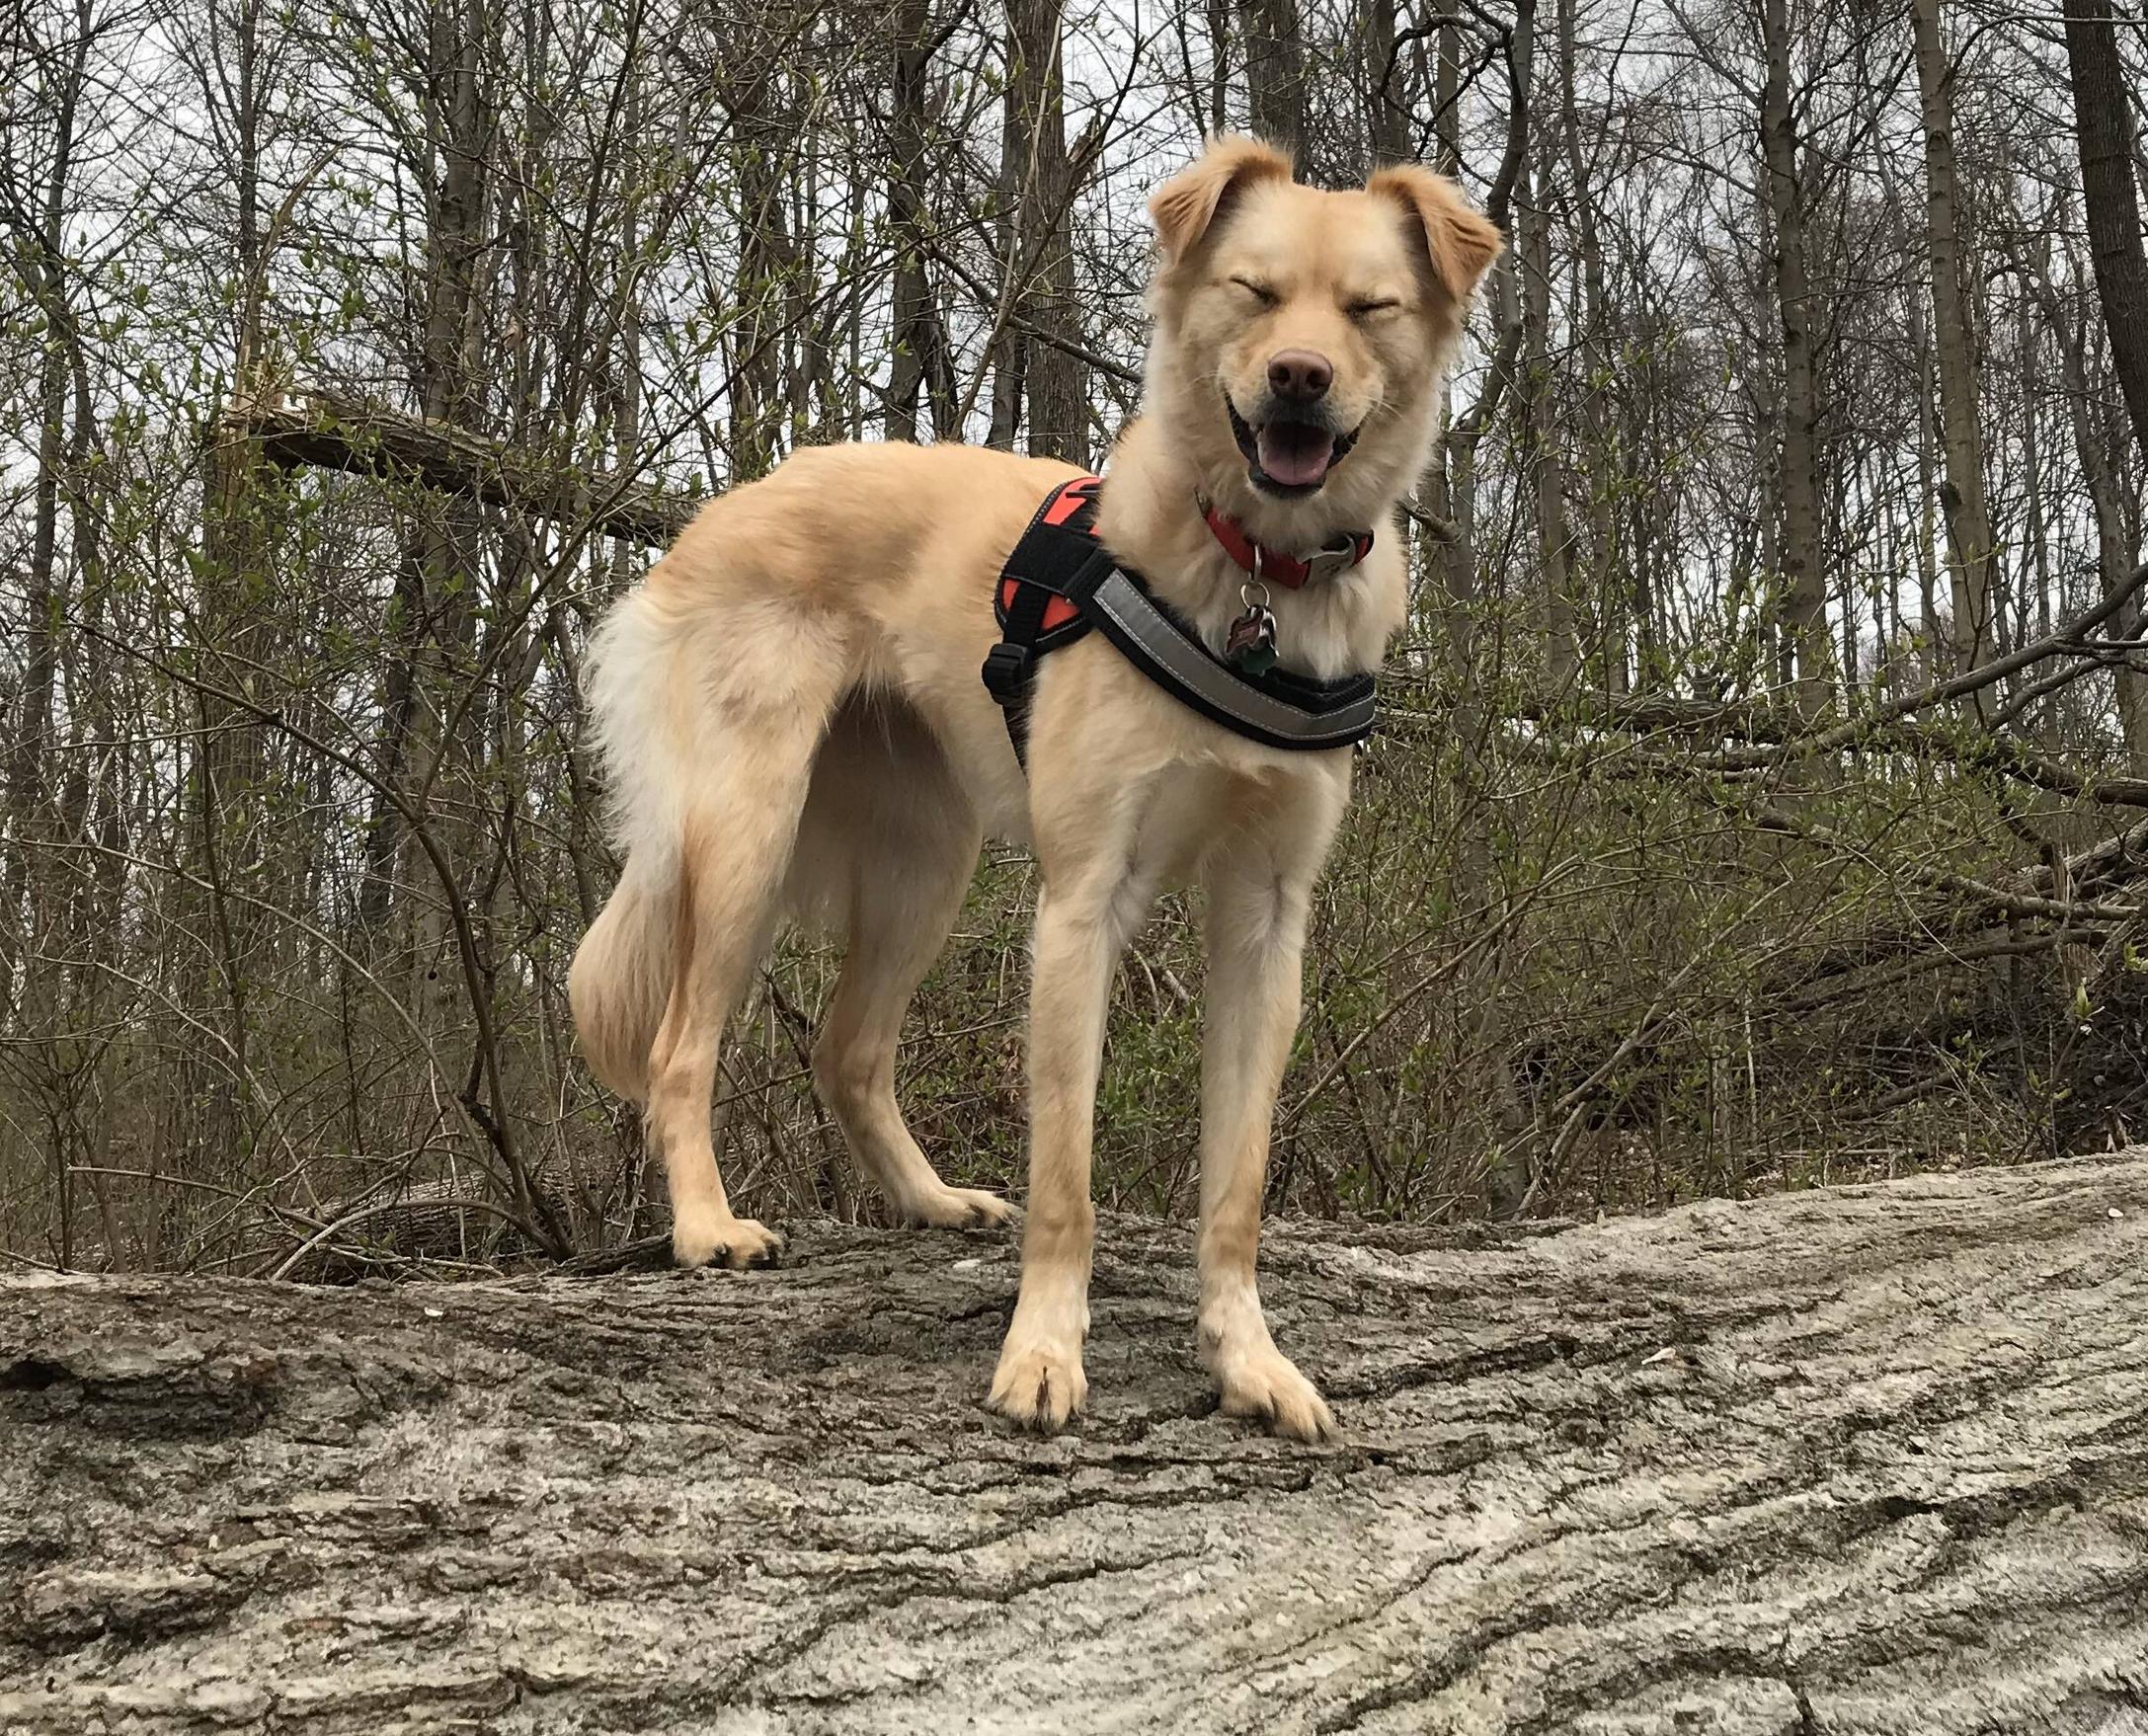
x,y
1301,335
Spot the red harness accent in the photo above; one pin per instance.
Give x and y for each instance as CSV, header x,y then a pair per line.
x,y
1056,612
1288,571
1061,506
1069,499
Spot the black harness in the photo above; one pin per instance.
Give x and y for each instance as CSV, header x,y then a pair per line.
x,y
1060,582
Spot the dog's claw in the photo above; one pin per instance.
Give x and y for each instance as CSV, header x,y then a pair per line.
x,y
736,1243
959,1209
1266,1386
1039,1388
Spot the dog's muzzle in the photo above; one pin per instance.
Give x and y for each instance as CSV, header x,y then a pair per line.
x,y
1291,450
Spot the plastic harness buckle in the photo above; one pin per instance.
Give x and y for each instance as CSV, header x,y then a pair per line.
x,y
1007,668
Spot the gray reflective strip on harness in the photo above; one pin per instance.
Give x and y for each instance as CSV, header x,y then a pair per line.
x,y
1170,653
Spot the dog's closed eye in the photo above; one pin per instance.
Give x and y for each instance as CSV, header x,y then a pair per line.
x,y
1260,292
1371,306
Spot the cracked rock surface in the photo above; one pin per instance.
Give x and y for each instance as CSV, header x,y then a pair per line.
x,y
1870,1459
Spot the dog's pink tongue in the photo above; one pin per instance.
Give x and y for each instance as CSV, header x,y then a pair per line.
x,y
1294,455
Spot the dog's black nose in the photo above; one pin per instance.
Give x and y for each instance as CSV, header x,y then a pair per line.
x,y
1302,374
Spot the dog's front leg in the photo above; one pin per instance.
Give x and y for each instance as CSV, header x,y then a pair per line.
x,y
1257,913
1095,898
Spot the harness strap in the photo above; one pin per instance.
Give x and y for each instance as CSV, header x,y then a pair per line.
x,y
1009,666
1033,602
1060,582
1292,713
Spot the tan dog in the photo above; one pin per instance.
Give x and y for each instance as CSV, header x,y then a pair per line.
x,y
791,719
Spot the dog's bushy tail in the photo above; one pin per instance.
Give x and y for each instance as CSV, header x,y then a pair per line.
x,y
622,978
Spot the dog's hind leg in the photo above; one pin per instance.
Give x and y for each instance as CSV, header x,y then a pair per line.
x,y
899,916
887,847
738,825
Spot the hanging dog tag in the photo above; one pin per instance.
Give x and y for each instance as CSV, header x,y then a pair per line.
x,y
1251,643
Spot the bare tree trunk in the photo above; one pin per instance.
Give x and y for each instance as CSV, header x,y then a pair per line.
x,y
921,366
2103,131
1450,557
1546,468
1970,552
1385,90
1602,589
41,254
766,265
1447,92
1275,71
1011,354
1923,526
1216,15
1452,495
804,322
1804,610
2036,481
1928,587
442,766
1055,381
2113,550
1759,586
237,546
1453,558
37,984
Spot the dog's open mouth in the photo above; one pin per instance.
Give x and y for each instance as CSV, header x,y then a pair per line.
x,y
1286,456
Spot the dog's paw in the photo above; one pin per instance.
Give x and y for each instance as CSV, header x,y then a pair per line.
x,y
1039,1383
737,1242
958,1208
1263,1382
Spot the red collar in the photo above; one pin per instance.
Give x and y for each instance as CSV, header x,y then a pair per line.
x,y
1271,567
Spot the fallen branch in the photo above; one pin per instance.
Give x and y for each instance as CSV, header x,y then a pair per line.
x,y
2057,643
1764,737
1986,900
1834,980
339,434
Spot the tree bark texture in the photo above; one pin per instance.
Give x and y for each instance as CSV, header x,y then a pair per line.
x,y
1870,1459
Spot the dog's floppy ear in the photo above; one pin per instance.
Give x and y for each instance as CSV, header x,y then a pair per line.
x,y
1187,204
1461,241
